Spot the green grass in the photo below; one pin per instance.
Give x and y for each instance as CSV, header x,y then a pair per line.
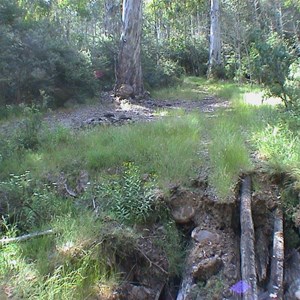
x,y
73,264
167,148
195,88
69,265
229,156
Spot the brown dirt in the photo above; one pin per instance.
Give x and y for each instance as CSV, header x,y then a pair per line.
x,y
110,110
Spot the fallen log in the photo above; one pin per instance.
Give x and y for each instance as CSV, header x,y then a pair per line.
x,y
5,241
292,276
262,254
248,266
275,287
186,287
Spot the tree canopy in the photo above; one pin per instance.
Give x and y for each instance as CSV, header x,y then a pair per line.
x,y
50,50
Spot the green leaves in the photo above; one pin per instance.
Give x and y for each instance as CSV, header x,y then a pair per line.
x,y
271,61
129,198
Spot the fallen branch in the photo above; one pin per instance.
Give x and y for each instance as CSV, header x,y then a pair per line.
x,y
248,270
153,263
276,277
25,237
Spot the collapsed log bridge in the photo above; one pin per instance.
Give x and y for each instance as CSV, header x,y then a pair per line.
x,y
265,271
248,269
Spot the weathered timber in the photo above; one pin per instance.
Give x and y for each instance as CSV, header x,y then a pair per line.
x,y
25,237
275,286
186,287
247,242
262,253
292,276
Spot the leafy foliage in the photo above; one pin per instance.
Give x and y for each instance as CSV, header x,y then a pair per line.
x,y
272,63
37,65
129,198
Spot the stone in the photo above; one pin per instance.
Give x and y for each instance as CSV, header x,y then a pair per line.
x,y
124,118
125,91
297,295
207,267
182,205
140,292
129,291
109,115
200,235
183,214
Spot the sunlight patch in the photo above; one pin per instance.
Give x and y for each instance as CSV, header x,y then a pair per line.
x,y
259,99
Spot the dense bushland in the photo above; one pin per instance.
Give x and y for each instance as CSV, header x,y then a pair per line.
x,y
52,53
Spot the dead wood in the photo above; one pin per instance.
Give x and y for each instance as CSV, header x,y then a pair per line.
x,y
292,276
262,253
186,286
25,237
275,287
247,242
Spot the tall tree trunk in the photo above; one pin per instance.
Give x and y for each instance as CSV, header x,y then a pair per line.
x,y
129,71
215,40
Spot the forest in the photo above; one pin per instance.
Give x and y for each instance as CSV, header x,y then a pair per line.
x,y
150,149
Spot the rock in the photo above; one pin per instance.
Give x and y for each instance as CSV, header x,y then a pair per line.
x,y
129,291
204,235
125,91
207,267
109,115
124,118
183,214
140,292
182,205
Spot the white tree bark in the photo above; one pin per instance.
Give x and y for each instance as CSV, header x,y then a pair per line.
x,y
129,70
215,38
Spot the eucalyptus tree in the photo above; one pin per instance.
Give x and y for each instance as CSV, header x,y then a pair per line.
x,y
215,59
129,69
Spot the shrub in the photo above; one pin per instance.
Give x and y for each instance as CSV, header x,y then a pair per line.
x,y
103,56
26,136
129,198
37,65
30,203
190,54
165,72
272,65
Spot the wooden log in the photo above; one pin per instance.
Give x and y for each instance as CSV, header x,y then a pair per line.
x,y
186,286
248,265
262,253
275,287
25,237
292,276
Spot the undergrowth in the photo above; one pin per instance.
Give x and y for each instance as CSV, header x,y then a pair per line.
x,y
229,156
100,227
166,148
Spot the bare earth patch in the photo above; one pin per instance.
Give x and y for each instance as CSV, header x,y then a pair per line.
x,y
112,110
